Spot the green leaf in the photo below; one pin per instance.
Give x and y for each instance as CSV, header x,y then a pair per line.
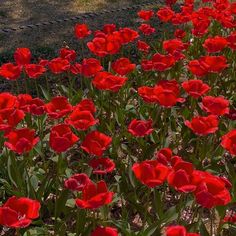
x,y
37,231
170,215
203,230
61,202
12,171
157,203
45,93
152,230
80,221
131,177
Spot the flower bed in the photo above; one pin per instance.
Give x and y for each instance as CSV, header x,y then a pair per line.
x,y
113,145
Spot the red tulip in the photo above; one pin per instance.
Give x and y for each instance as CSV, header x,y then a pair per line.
x,y
21,140
22,56
165,14
167,92
215,44
62,138
232,114
77,182
58,65
146,14
163,62
197,68
140,128
195,88
214,64
81,120
178,230
86,105
231,39
34,70
147,65
215,105
146,29
94,196
233,8
10,71
203,125
212,192
123,66
58,107
173,45
181,177
228,141
81,31
7,100
143,46
147,94
107,45
179,33
150,173
23,101
67,54
109,28
164,156
107,81
76,69
127,35
9,119
102,165
19,212
96,143
90,67
200,24
35,106
105,231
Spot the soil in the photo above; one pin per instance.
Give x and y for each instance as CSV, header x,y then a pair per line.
x,y
46,38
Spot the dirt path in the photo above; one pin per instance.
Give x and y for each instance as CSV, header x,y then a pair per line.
x,y
32,11
23,12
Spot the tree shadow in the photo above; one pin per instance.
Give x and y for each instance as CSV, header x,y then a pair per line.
x,y
49,38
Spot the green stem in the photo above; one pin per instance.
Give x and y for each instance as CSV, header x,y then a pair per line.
x,y
17,87
26,85
36,87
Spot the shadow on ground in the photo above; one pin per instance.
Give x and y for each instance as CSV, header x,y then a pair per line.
x,y
51,37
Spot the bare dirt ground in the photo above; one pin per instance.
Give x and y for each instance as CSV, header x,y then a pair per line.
x,y
15,13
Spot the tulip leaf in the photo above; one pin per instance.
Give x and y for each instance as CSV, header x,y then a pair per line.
x,y
45,93
61,202
203,230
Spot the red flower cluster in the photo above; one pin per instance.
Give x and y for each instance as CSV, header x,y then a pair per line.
x,y
207,64
166,93
165,73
